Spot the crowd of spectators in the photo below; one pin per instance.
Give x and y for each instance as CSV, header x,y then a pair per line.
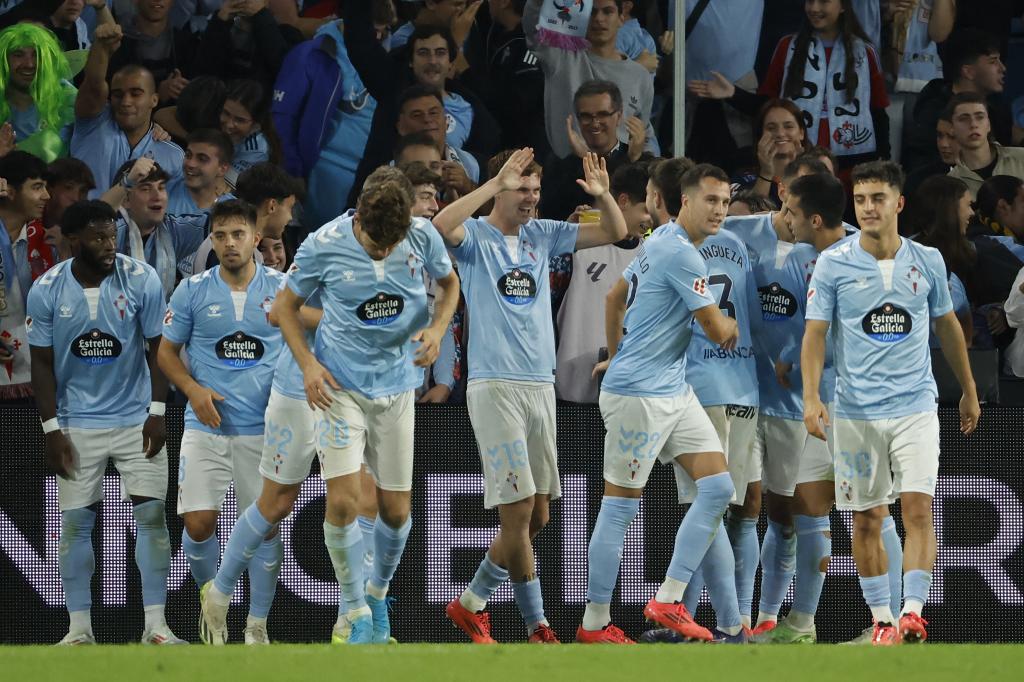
x,y
162,108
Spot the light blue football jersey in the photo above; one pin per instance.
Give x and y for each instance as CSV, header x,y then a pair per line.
x,y
103,146
187,233
180,203
288,379
880,312
232,347
719,376
667,282
780,325
508,299
371,308
99,353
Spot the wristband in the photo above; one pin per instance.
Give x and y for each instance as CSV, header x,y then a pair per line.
x,y
125,182
157,409
770,181
50,425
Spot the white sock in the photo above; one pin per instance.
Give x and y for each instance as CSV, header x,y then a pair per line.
x,y
251,621
530,627
376,593
732,630
882,614
596,616
472,602
764,617
745,620
218,597
671,591
81,621
912,606
801,621
155,617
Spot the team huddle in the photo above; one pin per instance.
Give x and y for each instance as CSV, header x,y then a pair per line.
x,y
784,354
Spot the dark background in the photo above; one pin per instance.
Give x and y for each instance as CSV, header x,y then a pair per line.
x,y
979,508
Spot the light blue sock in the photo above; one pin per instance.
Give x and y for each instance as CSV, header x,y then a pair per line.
x,y
202,557
152,550
916,584
488,578
894,555
876,590
694,588
75,557
743,537
366,524
700,525
389,543
814,544
530,602
720,574
345,545
263,570
246,537
604,553
778,564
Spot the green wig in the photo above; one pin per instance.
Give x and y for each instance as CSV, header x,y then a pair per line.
x,y
52,70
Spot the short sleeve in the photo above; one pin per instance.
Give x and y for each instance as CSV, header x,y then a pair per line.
x,y
90,126
561,236
304,274
435,256
153,307
466,251
39,316
688,275
821,294
178,319
939,300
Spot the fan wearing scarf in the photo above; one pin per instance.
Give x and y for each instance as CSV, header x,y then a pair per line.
x,y
145,230
24,256
35,95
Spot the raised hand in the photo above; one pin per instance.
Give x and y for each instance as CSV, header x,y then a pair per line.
x,y
595,180
462,23
718,87
510,177
7,139
108,37
576,141
637,137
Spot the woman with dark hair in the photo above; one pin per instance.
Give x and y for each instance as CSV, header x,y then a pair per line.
x,y
198,106
833,74
781,137
1000,207
245,118
943,212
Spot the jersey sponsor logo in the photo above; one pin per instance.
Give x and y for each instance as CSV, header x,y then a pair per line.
x,y
776,303
382,309
517,287
740,352
888,323
96,348
700,285
239,350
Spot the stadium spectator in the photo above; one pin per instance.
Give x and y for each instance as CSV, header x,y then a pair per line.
x,y
598,111
746,202
781,136
198,106
455,15
948,149
36,99
108,134
421,110
150,40
145,230
980,158
67,23
245,118
420,147
208,156
68,181
565,71
1001,203
971,63
1014,310
25,256
242,40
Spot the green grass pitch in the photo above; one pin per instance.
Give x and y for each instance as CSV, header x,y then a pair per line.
x,y
522,663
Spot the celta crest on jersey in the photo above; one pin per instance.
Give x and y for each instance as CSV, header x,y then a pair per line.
x,y
96,348
777,304
517,287
380,310
239,350
888,323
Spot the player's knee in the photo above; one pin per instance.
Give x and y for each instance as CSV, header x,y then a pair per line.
x,y
716,489
150,515
394,515
276,506
539,519
200,527
917,517
867,523
77,523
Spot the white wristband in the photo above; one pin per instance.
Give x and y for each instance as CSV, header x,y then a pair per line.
x,y
50,425
157,409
